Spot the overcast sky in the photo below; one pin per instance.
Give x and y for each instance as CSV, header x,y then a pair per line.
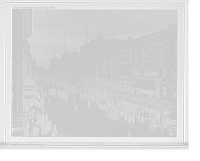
x,y
49,27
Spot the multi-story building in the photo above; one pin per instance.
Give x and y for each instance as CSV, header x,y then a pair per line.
x,y
54,67
146,82
77,68
99,61
68,66
21,32
34,69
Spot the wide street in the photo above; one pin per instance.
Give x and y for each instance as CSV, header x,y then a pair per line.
x,y
74,118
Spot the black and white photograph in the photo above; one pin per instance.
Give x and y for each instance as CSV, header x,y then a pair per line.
x,y
96,72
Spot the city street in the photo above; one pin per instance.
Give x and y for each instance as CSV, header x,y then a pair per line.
x,y
76,119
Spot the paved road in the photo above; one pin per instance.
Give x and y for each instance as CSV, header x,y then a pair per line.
x,y
84,121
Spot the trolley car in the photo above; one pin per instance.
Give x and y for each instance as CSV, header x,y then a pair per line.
x,y
52,90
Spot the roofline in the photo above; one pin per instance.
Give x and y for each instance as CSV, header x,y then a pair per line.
x,y
149,35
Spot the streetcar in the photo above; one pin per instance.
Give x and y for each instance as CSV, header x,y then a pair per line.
x,y
52,90
62,93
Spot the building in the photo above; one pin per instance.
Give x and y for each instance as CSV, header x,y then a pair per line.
x,y
99,61
68,66
34,69
21,31
77,68
54,68
146,81
41,72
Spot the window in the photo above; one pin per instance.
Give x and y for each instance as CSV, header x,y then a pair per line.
x,y
124,57
164,91
98,80
152,53
105,72
151,70
113,61
99,61
105,62
136,55
135,70
154,70
106,81
165,47
147,70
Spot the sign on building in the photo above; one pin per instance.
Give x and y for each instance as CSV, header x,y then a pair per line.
x,y
29,91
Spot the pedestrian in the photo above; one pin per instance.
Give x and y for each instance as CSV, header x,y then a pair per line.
x,y
55,130
53,134
129,133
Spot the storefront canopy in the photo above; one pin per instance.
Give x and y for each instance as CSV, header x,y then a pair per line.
x,y
145,85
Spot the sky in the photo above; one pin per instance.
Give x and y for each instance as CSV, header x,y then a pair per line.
x,y
49,27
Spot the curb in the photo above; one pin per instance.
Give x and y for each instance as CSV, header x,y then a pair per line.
x,y
135,127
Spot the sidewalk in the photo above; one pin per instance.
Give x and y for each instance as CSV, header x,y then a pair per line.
x,y
144,127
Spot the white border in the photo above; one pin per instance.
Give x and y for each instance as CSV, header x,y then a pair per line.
x,y
104,141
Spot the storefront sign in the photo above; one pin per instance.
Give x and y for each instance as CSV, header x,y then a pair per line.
x,y
29,91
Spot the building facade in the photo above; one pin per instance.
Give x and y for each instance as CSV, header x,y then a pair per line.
x,y
21,31
99,61
146,81
68,66
34,68
54,68
77,68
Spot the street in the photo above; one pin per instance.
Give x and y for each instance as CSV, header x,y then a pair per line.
x,y
76,119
